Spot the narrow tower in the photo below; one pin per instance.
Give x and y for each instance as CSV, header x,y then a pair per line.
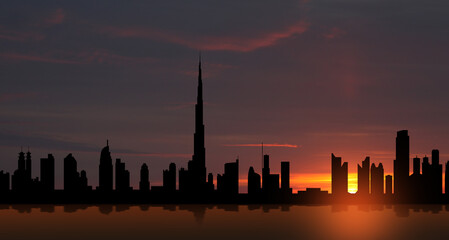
x,y
199,151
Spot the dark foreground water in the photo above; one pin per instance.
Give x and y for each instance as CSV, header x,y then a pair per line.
x,y
224,222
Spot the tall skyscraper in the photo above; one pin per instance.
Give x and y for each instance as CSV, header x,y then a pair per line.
x,y
71,175
28,166
105,170
228,183
253,181
389,185
363,177
121,176
4,181
194,179
377,180
198,166
402,164
169,178
339,176
48,173
19,180
285,177
144,184
436,182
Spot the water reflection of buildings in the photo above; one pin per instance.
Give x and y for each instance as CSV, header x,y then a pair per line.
x,y
199,211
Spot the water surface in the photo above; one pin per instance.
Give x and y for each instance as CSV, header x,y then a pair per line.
x,y
224,222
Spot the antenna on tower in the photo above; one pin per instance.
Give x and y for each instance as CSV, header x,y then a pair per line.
x,y
262,155
21,148
107,142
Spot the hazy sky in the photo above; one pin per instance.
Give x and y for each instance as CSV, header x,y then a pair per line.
x,y
326,76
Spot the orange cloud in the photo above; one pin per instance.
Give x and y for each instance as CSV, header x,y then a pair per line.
x,y
260,145
160,155
227,43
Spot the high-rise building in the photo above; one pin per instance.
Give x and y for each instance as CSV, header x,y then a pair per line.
x,y
270,182
144,184
71,175
105,170
363,177
253,181
416,180
339,176
28,166
389,185
19,177
402,164
121,176
169,178
228,183
285,177
73,180
377,180
436,182
4,181
194,179
48,173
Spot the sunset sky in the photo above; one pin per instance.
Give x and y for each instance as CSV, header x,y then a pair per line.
x,y
308,78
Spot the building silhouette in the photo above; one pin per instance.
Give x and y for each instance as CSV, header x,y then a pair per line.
x,y
389,185
121,176
417,182
339,177
270,182
377,180
105,170
253,182
4,182
28,167
228,183
363,178
402,165
194,178
285,178
424,185
144,184
73,180
437,174
169,178
48,173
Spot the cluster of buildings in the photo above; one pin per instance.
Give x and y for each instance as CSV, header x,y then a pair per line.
x,y
425,185
192,180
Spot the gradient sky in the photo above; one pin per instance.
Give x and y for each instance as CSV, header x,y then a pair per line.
x,y
318,76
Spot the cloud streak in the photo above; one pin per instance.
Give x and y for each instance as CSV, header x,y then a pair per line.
x,y
99,56
214,43
260,145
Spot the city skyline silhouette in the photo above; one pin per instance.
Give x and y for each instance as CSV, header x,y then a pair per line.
x,y
194,185
293,119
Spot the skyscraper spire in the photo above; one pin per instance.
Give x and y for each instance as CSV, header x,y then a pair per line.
x,y
200,87
199,151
